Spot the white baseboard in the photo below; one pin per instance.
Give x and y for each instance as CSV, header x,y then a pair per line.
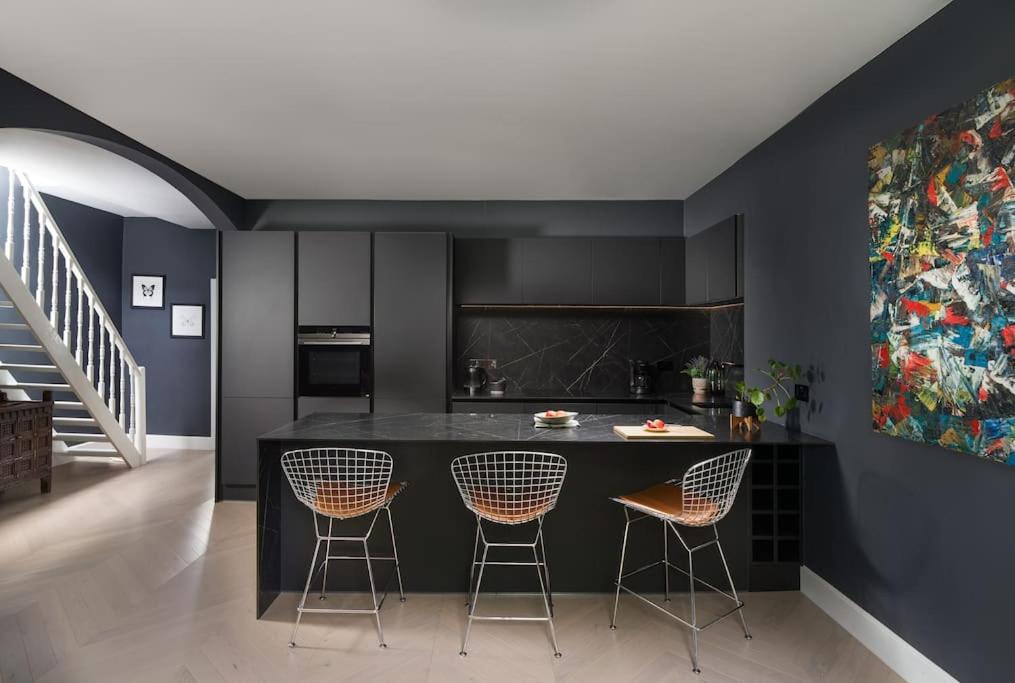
x,y
185,443
902,657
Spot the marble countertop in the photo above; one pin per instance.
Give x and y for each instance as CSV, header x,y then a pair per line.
x,y
463,427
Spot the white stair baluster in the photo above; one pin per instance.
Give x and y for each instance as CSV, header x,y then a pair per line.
x,y
54,312
91,341
132,427
9,244
123,392
79,355
112,374
102,358
40,292
68,281
26,254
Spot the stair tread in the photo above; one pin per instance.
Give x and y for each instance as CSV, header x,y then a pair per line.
x,y
68,405
23,347
74,421
13,326
55,386
30,367
80,436
104,452
6,304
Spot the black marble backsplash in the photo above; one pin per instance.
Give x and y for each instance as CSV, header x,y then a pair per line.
x,y
576,353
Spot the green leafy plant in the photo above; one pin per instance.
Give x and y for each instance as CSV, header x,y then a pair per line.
x,y
695,367
780,374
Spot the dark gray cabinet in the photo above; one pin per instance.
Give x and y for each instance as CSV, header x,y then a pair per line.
x,y
672,279
488,271
333,273
488,407
557,271
243,420
721,247
308,405
696,273
258,317
740,255
713,264
410,330
626,271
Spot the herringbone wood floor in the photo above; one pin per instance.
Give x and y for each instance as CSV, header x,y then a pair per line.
x,y
136,575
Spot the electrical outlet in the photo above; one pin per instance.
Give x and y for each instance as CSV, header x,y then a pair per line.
x,y
802,392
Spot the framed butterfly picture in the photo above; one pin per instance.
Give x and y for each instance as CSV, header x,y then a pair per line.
x,y
148,291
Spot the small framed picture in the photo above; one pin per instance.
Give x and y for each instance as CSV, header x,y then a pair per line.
x,y
148,291
187,321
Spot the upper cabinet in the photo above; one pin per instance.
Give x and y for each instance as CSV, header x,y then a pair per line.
x,y
577,271
488,271
557,271
334,278
715,263
625,271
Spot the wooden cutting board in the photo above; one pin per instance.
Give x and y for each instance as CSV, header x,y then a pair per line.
x,y
675,432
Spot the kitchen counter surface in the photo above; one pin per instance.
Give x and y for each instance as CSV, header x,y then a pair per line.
x,y
470,427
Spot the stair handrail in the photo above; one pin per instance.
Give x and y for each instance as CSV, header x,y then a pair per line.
x,y
134,422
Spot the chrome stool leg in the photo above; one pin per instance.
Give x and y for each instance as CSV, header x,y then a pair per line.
x,y
620,572
694,614
306,589
666,562
544,589
394,553
546,565
472,564
475,599
327,553
733,589
373,590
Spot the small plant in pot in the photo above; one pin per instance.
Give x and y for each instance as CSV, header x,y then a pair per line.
x,y
750,401
696,369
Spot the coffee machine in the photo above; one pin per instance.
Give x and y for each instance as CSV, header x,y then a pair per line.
x,y
641,377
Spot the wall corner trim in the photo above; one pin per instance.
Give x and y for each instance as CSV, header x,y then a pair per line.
x,y
903,658
185,443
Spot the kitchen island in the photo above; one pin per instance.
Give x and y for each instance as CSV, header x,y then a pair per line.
x,y
762,534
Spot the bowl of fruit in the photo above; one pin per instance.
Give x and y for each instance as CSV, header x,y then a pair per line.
x,y
555,417
656,426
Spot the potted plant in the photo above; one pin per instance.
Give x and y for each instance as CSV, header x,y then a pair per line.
x,y
695,369
749,401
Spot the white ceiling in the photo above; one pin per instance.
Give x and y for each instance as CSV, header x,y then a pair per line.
x,y
92,176
449,99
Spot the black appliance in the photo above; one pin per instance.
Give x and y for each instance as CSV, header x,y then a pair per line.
x,y
641,376
475,379
333,361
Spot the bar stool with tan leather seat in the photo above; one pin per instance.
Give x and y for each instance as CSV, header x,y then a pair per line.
x,y
342,484
510,488
701,498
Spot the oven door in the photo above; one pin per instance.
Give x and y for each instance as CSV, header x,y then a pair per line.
x,y
333,369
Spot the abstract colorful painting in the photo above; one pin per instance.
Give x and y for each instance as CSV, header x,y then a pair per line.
x,y
942,253
942,256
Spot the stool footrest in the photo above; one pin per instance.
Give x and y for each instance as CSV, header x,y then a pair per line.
x,y
683,621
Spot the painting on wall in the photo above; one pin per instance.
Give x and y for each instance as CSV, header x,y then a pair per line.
x,y
148,291
941,211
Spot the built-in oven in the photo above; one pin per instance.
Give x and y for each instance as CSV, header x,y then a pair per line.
x,y
333,361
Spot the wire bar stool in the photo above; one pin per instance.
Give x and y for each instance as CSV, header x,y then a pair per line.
x,y
340,484
701,498
510,488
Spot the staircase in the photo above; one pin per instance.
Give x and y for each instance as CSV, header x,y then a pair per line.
x,y
56,336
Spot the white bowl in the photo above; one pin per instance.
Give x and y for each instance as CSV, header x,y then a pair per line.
x,y
560,419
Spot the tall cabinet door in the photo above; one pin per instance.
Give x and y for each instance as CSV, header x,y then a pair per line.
x,y
334,278
257,337
410,322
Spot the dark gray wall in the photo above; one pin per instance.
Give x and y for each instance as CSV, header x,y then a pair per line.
x,y
919,536
96,238
178,371
487,218
25,106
